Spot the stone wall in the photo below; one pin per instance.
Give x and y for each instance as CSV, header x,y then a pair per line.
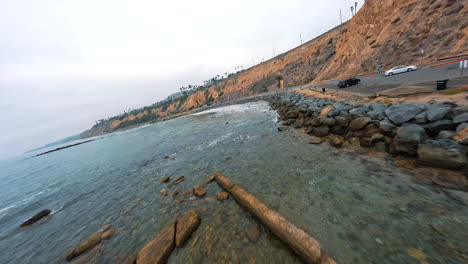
x,y
435,133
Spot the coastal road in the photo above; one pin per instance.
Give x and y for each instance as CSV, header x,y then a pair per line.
x,y
424,77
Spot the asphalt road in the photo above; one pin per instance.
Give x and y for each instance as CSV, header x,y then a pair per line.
x,y
373,83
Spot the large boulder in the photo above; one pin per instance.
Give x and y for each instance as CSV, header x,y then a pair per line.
x,y
330,121
420,118
339,130
461,118
401,113
158,250
457,111
360,111
461,126
321,131
359,123
342,120
437,112
445,153
386,125
432,129
186,224
462,136
445,134
376,115
36,218
408,138
379,107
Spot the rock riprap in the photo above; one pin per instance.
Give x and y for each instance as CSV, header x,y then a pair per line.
x,y
399,128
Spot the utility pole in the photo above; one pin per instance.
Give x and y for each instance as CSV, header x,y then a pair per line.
x,y
355,7
352,11
341,18
422,56
300,36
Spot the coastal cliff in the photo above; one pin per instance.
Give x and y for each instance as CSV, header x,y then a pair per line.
x,y
393,32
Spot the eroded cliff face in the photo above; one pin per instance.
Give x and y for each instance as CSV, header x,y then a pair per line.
x,y
391,31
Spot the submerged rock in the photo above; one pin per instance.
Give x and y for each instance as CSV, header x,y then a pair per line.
x,y
199,190
165,179
221,196
36,218
253,233
444,153
164,192
186,225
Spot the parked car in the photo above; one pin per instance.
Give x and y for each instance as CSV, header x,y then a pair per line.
x,y
348,82
400,69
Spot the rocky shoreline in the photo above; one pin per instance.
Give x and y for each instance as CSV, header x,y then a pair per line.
x,y
436,134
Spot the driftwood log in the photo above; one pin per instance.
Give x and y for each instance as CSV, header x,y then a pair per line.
x,y
297,239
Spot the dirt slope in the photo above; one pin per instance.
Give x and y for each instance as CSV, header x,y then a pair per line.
x,y
392,31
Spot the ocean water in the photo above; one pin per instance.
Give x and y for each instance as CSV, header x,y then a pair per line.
x,y
361,208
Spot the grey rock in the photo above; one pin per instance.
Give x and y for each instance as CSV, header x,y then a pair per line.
x,y
376,115
309,130
321,131
461,126
401,113
445,153
380,147
386,125
354,141
360,111
366,142
316,121
461,118
289,122
457,111
359,123
432,129
379,107
445,134
328,121
342,120
437,112
408,138
339,130
420,118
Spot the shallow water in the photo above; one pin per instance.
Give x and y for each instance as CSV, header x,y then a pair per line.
x,y
362,209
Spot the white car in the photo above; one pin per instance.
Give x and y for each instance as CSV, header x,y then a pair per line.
x,y
400,69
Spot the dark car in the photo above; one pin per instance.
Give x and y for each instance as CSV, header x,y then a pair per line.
x,y
348,82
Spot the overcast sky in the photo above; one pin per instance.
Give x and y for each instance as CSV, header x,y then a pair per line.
x,y
66,63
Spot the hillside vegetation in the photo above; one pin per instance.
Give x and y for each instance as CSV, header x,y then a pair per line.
x,y
393,32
